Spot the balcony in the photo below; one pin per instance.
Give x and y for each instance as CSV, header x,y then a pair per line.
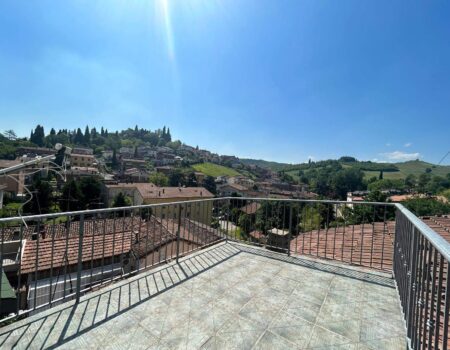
x,y
146,277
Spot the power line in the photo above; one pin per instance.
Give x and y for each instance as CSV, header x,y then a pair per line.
x,y
444,157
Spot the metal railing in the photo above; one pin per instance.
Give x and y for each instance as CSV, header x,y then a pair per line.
x,y
61,256
421,270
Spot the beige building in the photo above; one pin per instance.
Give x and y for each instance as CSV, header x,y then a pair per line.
x,y
148,193
82,160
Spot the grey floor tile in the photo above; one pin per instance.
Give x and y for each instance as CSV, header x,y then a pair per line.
x,y
271,341
246,301
322,337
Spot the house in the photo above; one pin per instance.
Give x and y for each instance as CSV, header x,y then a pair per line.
x,y
34,151
103,257
251,208
166,170
227,190
200,177
148,193
135,175
107,155
83,150
126,152
130,163
12,185
82,160
76,172
241,180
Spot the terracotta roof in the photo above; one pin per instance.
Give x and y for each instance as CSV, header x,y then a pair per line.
x,y
251,208
151,191
174,192
365,245
91,226
440,224
5,163
64,252
257,234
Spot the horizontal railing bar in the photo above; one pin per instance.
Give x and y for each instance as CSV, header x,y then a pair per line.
x,y
433,237
155,205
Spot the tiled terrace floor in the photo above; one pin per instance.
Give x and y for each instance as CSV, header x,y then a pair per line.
x,y
227,297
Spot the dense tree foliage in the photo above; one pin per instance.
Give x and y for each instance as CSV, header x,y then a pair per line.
x,y
159,179
427,206
81,194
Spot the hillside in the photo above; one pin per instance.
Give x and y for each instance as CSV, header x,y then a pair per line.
x,y
370,169
275,166
214,170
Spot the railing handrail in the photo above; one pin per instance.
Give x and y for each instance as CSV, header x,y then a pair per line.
x,y
154,205
438,242
435,239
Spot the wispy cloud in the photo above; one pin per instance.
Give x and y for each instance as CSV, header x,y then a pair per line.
x,y
400,156
408,144
388,144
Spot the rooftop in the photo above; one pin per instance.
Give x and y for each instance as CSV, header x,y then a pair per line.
x,y
151,191
227,296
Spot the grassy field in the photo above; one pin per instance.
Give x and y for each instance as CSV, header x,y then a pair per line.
x,y
214,169
391,175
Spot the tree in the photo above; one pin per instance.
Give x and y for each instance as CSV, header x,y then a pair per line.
x,y
79,138
42,199
310,219
87,136
10,134
159,179
347,180
176,178
245,223
380,177
427,206
410,181
114,162
210,184
38,136
121,201
91,190
191,180
424,179
81,194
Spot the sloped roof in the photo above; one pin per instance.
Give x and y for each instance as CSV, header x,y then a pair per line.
x,y
6,291
57,253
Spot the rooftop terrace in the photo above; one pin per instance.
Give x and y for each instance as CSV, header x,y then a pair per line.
x,y
191,275
228,296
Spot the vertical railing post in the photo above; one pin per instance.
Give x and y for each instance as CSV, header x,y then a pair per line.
x,y
290,230
80,257
227,217
412,275
178,232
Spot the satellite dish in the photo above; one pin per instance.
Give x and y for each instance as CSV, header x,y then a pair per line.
x,y
58,146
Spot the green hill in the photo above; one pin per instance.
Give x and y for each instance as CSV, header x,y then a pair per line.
x,y
417,167
370,169
214,170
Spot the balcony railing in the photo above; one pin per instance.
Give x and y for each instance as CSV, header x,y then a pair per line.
x,y
48,259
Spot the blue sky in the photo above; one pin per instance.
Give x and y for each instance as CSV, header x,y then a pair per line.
x,y
279,80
